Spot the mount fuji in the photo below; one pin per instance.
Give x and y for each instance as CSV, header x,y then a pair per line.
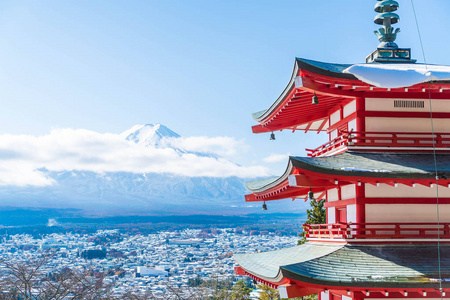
x,y
126,193
149,135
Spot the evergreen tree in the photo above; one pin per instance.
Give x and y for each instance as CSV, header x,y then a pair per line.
x,y
267,293
241,291
315,215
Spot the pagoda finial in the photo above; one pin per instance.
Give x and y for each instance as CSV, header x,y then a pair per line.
x,y
388,50
387,17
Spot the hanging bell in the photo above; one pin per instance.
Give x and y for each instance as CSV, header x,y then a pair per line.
x,y
264,206
315,99
310,195
272,136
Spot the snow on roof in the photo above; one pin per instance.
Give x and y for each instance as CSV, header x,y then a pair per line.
x,y
398,75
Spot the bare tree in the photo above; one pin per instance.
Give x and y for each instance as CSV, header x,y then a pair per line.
x,y
27,279
22,277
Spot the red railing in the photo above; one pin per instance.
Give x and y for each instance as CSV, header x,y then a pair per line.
x,y
337,143
355,231
361,139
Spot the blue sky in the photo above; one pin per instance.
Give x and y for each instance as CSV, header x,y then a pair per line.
x,y
199,67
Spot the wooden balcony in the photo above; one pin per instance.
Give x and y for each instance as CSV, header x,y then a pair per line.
x,y
378,232
383,141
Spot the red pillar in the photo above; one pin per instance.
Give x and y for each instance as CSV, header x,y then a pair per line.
x,y
360,119
360,207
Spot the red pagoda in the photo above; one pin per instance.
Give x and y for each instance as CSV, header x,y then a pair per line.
x,y
384,175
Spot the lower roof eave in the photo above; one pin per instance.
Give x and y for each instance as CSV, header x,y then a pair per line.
x,y
288,278
352,267
309,282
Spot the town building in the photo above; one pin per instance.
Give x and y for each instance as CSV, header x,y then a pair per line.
x,y
384,175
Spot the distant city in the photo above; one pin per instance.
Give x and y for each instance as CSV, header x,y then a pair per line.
x,y
156,265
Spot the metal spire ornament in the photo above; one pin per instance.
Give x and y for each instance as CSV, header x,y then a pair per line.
x,y
387,17
388,50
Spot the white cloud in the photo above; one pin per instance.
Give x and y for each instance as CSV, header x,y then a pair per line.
x,y
24,158
223,146
276,158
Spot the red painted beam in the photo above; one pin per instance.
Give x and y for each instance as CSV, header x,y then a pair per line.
x,y
386,200
405,114
301,180
339,203
342,122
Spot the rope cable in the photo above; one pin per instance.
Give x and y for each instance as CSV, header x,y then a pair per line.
x,y
434,152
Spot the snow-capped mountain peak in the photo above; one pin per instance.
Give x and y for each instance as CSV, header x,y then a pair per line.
x,y
149,134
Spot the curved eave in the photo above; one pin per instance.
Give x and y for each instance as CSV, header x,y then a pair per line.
x,y
319,68
357,267
259,186
325,69
409,267
320,174
275,188
293,109
377,165
306,65
266,265
261,115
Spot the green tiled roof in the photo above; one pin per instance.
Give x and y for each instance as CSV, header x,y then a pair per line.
x,y
257,184
258,114
386,165
332,67
364,164
267,265
405,266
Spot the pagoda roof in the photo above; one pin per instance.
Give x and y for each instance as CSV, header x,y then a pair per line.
x,y
321,68
370,164
338,84
324,68
368,266
320,173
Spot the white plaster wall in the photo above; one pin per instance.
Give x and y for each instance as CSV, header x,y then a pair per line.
x,y
331,215
349,108
333,134
315,125
324,296
332,195
403,191
406,124
283,292
378,104
351,213
335,117
352,125
406,213
346,297
348,192
387,298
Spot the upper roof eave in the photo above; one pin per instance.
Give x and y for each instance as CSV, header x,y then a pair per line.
x,y
326,69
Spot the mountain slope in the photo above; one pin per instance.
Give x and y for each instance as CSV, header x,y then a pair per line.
x,y
118,193
149,135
